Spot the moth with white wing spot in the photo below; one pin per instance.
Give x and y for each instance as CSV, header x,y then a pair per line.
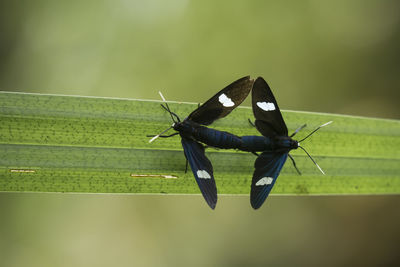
x,y
193,132
275,144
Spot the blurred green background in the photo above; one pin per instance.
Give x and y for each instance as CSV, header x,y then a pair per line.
x,y
326,56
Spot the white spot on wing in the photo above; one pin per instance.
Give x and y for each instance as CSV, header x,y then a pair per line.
x,y
265,181
203,174
225,101
267,106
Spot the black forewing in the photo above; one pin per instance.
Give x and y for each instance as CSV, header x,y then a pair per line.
x,y
267,168
202,170
269,119
219,106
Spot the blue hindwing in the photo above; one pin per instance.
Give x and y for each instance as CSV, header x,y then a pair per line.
x,y
267,168
202,170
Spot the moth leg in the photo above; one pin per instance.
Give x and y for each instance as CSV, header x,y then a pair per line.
x,y
251,123
294,164
255,153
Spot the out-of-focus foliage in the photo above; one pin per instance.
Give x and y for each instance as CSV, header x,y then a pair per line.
x,y
338,57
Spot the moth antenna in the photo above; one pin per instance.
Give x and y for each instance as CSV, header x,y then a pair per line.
x,y
298,129
316,164
171,113
170,135
168,109
158,135
162,97
319,127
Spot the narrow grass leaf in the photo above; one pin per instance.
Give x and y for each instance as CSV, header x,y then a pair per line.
x,y
53,143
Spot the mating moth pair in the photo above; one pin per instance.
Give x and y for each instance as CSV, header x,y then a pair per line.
x,y
274,144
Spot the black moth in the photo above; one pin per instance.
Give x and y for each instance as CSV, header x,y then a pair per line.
x,y
275,143
275,146
190,131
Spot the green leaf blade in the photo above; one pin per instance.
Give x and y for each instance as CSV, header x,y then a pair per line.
x,y
51,143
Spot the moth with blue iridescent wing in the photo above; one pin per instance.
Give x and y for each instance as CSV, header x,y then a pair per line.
x,y
269,122
275,143
192,132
